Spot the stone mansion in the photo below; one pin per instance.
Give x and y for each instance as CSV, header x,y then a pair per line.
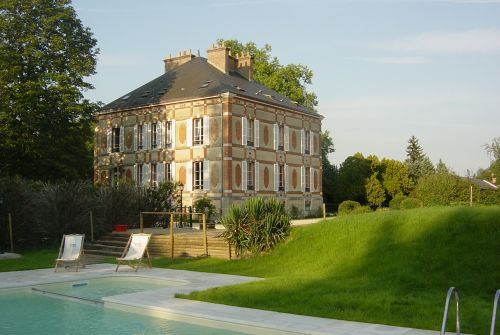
x,y
207,124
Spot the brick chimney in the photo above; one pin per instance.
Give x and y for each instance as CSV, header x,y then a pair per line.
x,y
220,57
173,62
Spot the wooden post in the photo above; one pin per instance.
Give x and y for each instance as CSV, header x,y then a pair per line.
x,y
171,235
471,195
229,249
141,222
205,234
324,211
10,234
91,226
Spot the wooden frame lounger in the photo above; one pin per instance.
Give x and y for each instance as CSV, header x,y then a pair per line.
x,y
133,254
71,251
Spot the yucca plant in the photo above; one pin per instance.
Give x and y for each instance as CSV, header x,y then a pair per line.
x,y
256,226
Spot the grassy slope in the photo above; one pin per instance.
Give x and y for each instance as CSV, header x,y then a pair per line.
x,y
387,267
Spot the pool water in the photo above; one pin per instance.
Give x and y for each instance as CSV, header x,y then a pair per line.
x,y
25,312
104,287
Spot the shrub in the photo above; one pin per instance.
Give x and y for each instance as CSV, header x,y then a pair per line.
x,y
442,189
347,207
361,210
256,226
294,212
410,203
204,205
395,202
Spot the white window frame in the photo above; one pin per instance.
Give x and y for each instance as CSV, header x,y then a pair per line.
x,y
251,176
154,176
168,135
116,139
198,131
153,136
168,172
198,175
307,178
307,143
281,176
139,174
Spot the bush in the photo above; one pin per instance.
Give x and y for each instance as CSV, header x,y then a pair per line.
x,y
204,205
410,203
347,207
395,202
442,189
294,212
256,226
361,210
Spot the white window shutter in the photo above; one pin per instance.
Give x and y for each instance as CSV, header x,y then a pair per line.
x,y
189,176
135,138
206,175
302,140
311,177
244,130
146,175
256,135
244,175
302,179
146,130
159,134
160,172
276,177
311,141
122,139
276,134
286,177
172,134
189,132
286,130
173,171
206,130
109,139
134,175
257,177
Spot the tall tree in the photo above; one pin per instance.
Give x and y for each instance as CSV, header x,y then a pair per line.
x,y
351,179
375,193
46,124
290,80
395,177
418,163
329,170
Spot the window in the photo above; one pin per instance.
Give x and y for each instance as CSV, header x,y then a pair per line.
x,y
307,144
168,172
139,175
250,133
198,131
154,129
168,134
116,140
198,175
281,137
154,179
308,179
139,136
251,176
115,176
281,185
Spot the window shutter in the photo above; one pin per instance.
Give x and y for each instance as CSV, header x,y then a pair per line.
x,y
286,177
189,132
302,140
135,138
276,130
244,130
146,175
206,130
286,130
122,139
276,177
206,175
159,134
256,135
311,141
109,139
160,173
244,175
311,177
146,131
134,176
173,172
189,176
257,177
302,179
172,134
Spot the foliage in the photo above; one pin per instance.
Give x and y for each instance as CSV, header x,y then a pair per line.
x,y
329,170
294,212
410,203
204,205
492,173
375,193
442,189
418,163
493,149
351,179
387,267
395,202
256,226
43,212
46,54
414,151
290,80
347,206
361,210
441,167
395,177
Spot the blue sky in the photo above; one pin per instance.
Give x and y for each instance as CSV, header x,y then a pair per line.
x,y
383,70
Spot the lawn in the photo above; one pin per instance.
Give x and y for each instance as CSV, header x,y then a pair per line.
x,y
34,259
391,267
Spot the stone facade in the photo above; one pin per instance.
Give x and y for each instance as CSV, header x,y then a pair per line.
x,y
225,147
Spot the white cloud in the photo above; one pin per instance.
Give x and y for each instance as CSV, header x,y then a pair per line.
x,y
397,60
474,41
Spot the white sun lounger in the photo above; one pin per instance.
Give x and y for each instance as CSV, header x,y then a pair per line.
x,y
71,251
133,254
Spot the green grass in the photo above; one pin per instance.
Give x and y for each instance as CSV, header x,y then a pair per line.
x,y
34,259
391,267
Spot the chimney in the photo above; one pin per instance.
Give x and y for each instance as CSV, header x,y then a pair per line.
x,y
493,179
173,62
220,57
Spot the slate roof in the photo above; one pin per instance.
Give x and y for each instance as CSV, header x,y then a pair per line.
x,y
484,184
196,79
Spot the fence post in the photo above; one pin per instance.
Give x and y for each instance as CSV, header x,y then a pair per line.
x,y
171,235
229,249
91,226
205,234
324,211
141,222
10,234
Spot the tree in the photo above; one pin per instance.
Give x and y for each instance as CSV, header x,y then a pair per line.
x,y
493,149
375,193
414,151
395,177
441,167
290,80
351,179
418,163
328,169
46,124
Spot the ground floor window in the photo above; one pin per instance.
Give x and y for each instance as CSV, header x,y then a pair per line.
x,y
198,175
138,176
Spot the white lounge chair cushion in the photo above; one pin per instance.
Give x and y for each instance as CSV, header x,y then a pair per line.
x,y
72,247
137,247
